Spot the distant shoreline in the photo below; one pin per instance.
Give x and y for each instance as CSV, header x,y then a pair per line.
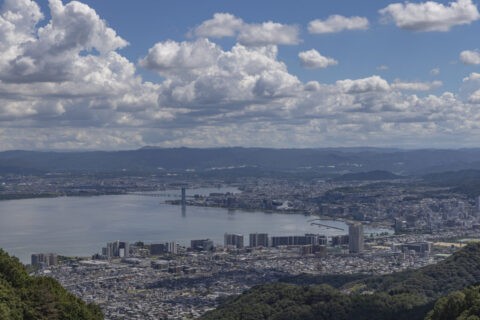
x,y
7,197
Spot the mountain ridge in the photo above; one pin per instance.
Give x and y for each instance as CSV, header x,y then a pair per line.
x,y
318,160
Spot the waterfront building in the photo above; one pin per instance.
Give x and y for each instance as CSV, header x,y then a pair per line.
x,y
307,239
44,259
258,240
340,240
235,240
355,238
184,196
202,245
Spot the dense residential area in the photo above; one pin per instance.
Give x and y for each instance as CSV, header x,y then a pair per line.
x,y
366,224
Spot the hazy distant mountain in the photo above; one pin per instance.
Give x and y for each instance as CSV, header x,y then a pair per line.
x,y
328,160
369,176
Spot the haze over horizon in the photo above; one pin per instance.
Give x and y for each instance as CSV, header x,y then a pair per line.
x,y
116,75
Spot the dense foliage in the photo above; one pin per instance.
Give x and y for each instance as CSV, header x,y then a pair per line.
x,y
39,298
404,295
281,301
460,270
459,305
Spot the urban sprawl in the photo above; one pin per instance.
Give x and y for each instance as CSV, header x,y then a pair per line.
x,y
166,280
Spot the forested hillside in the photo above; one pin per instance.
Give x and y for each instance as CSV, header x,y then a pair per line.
x,y
37,298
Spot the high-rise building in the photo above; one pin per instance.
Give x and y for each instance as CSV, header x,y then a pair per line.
x,y
116,249
123,249
258,240
172,247
235,240
202,245
355,238
307,239
184,196
157,248
44,259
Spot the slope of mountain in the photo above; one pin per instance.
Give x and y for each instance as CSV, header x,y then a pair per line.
x,y
39,298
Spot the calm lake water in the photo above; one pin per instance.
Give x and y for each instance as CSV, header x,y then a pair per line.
x,y
82,225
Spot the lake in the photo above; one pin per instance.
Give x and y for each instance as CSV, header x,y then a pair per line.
x,y
81,226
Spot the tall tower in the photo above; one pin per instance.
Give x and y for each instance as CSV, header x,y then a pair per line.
x,y
355,238
184,196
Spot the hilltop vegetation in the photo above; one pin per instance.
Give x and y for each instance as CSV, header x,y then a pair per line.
x,y
405,295
459,305
281,301
37,298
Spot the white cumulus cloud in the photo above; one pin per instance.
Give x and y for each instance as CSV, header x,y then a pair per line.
x,y
221,25
172,56
313,59
64,84
373,83
472,77
470,57
67,71
249,34
337,23
238,76
268,33
416,86
431,15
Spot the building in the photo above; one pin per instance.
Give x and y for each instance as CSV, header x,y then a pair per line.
x,y
258,240
184,196
161,248
355,238
123,249
202,245
340,240
307,239
172,247
44,259
116,249
422,248
157,249
235,240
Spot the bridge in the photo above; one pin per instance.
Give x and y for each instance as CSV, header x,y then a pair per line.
x,y
313,223
161,194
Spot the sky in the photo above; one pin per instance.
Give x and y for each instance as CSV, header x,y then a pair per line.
x,y
122,74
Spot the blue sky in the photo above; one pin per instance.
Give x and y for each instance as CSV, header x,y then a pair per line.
x,y
118,74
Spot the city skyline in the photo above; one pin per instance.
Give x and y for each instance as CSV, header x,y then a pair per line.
x,y
111,75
